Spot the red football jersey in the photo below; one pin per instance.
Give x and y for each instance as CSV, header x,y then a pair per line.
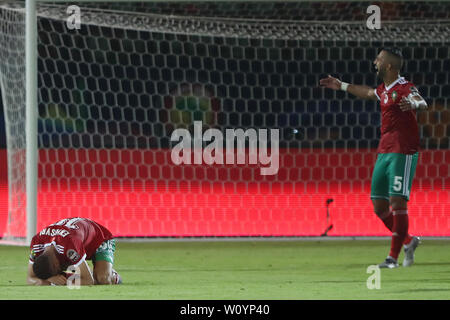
x,y
75,240
399,129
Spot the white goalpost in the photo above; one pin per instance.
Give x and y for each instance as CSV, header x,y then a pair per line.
x,y
90,114
31,118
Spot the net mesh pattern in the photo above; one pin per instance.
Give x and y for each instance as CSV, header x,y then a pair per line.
x,y
112,93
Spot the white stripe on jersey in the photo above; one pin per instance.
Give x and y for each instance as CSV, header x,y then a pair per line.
x,y
59,248
41,247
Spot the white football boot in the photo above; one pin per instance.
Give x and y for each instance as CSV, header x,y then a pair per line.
x,y
409,250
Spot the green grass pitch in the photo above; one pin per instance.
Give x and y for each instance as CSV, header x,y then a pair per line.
x,y
243,270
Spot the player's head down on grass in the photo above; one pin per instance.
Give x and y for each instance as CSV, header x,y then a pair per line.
x,y
59,253
47,265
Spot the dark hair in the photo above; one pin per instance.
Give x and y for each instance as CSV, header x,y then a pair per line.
x,y
42,267
395,53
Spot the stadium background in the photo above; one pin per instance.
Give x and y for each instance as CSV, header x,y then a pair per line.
x,y
107,156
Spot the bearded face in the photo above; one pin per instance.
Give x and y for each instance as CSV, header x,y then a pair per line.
x,y
380,65
380,70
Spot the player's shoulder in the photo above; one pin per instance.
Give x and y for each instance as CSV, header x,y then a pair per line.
x,y
37,241
404,83
405,87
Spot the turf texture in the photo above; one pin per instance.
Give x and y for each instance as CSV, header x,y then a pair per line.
x,y
248,270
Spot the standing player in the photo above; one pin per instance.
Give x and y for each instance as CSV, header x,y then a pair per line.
x,y
69,243
397,150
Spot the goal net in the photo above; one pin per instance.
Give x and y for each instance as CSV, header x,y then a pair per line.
x,y
114,92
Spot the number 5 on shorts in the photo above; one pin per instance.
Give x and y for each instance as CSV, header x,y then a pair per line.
x,y
397,183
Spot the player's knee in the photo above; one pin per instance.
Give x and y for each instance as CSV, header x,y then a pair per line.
x,y
379,211
398,203
381,208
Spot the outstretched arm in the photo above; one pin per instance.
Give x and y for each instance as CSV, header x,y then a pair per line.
x,y
360,91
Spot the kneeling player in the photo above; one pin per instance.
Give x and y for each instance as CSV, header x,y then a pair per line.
x,y
67,244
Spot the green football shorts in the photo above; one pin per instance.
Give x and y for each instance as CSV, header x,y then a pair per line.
x,y
393,175
105,252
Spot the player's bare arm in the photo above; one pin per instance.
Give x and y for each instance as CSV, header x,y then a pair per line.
x,y
86,278
360,91
85,273
58,280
